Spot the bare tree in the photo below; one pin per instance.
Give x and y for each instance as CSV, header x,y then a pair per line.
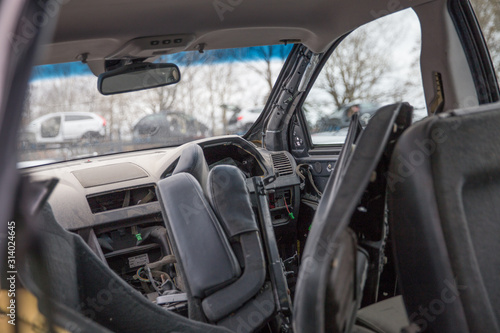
x,y
266,54
224,91
167,98
186,88
63,94
220,84
356,70
488,15
162,98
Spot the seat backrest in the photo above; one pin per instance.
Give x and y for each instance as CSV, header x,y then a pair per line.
x,y
202,232
229,197
327,293
202,247
444,208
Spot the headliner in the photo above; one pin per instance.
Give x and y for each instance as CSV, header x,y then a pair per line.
x,y
101,28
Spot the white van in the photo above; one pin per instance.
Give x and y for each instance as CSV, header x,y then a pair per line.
x,y
63,127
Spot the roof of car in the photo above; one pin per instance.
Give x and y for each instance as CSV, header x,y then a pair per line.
x,y
93,30
164,113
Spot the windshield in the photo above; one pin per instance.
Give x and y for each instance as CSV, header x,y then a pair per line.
x,y
220,92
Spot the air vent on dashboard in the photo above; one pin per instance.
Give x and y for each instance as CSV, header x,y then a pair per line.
x,y
282,164
121,199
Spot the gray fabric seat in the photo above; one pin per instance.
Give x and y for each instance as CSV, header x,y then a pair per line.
x,y
192,161
444,205
330,283
387,316
215,238
82,294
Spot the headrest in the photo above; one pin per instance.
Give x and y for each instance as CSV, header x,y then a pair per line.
x,y
229,197
193,161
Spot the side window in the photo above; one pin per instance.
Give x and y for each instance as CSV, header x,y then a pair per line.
x,y
488,16
76,118
50,127
71,118
375,65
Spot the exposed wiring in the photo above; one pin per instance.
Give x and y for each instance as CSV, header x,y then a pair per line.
x,y
158,279
309,177
138,275
153,282
288,210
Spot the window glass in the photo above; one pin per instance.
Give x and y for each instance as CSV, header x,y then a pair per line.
x,y
488,16
150,124
177,124
216,92
376,64
76,118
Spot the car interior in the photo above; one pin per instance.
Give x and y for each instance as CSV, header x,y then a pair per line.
x,y
394,230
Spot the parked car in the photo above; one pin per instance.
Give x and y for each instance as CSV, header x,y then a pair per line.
x,y
64,127
168,128
241,121
342,116
332,129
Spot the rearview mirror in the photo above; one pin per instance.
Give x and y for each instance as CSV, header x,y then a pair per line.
x,y
137,77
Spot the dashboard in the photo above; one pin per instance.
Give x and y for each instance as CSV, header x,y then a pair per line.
x,y
111,201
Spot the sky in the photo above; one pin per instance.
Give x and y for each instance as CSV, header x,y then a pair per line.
x,y
215,56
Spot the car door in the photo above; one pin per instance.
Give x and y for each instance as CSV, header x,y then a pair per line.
x,y
363,72
51,129
404,57
72,126
382,62
77,125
